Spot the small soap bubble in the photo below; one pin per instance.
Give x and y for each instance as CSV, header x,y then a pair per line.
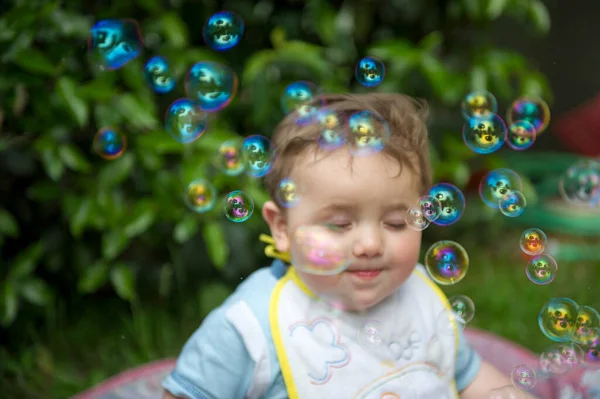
x,y
587,324
200,196
580,185
463,307
185,121
369,71
229,158
114,43
513,204
332,129
238,206
415,218
109,143
484,134
431,207
591,356
541,269
212,84
557,319
447,262
303,99
478,103
452,201
523,377
367,133
561,358
319,250
497,184
533,241
521,135
258,154
532,110
287,193
159,76
223,30
372,334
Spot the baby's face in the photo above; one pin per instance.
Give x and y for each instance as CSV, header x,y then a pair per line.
x,y
364,204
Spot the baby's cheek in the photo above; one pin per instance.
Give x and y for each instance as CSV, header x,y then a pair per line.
x,y
321,285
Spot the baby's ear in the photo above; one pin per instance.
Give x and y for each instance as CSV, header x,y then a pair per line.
x,y
277,222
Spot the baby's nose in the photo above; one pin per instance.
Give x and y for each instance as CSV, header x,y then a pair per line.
x,y
368,245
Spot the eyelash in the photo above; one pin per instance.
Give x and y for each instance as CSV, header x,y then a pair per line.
x,y
343,226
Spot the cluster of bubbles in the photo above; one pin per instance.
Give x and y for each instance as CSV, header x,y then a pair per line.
x,y
485,132
580,184
443,206
501,189
541,268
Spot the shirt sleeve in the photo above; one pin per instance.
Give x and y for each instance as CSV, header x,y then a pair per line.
x,y
214,363
468,363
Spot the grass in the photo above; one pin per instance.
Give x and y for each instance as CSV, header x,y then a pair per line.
x,y
73,355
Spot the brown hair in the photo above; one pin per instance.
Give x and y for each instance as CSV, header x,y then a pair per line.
x,y
404,115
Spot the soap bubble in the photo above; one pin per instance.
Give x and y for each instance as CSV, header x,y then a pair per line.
x,y
367,133
497,184
557,319
580,185
200,196
185,120
259,154
287,193
332,129
463,307
542,269
431,207
114,43
212,84
159,76
591,356
478,103
415,219
452,201
513,204
561,358
533,241
238,206
587,323
109,143
372,334
223,30
484,134
447,262
317,250
229,159
532,110
369,71
303,99
523,377
521,135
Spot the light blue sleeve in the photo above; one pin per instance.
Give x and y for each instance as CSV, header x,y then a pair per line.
x,y
214,363
468,363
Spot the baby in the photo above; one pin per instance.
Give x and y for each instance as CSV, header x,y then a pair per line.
x,y
371,331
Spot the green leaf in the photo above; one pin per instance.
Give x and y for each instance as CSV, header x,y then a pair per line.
x,y
52,164
116,171
256,65
44,191
165,280
26,262
323,16
35,291
142,218
35,61
278,37
81,217
113,244
123,281
495,8
73,158
10,304
432,42
535,85
136,114
185,229
8,224
478,79
216,244
93,278
175,30
538,12
67,90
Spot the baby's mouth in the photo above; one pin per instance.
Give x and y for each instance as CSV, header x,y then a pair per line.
x,y
365,274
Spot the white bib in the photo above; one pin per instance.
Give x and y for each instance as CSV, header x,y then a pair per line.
x,y
395,350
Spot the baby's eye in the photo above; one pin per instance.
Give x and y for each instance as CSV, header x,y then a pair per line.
x,y
338,226
396,226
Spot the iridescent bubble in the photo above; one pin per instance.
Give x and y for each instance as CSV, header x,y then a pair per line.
x,y
521,135
557,319
587,324
303,99
478,103
591,356
447,262
258,154
532,110
214,85
318,250
200,196
463,307
541,269
533,241
580,185
369,71
109,143
223,30
367,133
238,206
185,120
498,183
513,204
159,75
287,194
114,43
332,129
561,358
452,201
484,134
372,334
229,158
431,207
415,218
523,377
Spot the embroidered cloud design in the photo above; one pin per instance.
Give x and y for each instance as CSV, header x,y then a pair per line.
x,y
321,349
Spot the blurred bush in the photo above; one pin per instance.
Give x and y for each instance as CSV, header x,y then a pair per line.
x,y
73,225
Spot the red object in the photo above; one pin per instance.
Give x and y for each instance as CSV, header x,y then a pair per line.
x,y
579,129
